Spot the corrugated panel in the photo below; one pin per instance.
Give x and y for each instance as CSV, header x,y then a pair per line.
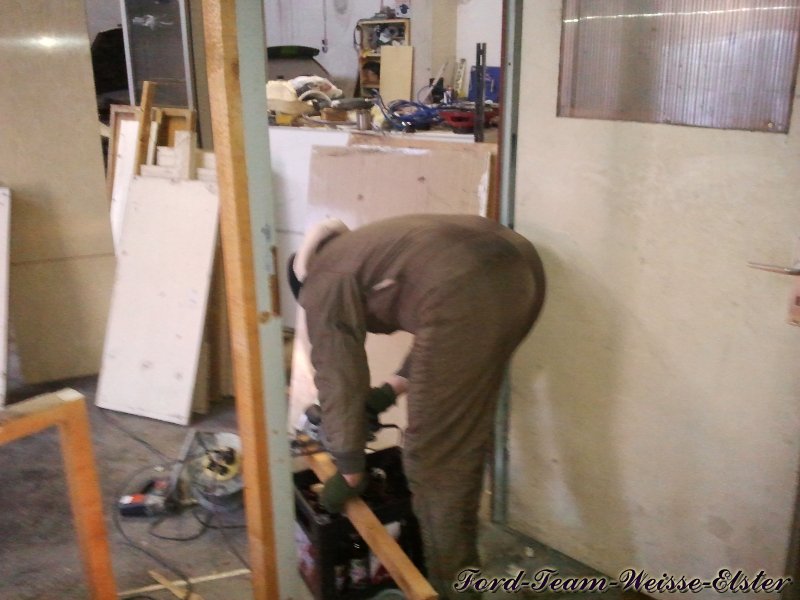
x,y
712,63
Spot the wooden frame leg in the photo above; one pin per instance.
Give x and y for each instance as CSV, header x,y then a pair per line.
x,y
67,410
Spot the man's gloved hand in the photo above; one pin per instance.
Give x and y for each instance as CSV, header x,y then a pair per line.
x,y
379,399
337,491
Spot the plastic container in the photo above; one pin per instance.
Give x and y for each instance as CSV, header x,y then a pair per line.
x,y
331,555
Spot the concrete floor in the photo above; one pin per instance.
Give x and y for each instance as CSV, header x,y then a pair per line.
x,y
38,554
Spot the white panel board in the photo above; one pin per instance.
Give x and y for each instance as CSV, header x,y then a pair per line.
x,y
160,297
5,213
124,169
290,157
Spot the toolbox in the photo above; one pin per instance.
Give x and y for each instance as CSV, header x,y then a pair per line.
x,y
333,560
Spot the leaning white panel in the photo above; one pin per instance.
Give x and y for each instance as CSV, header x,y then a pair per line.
x,y
124,170
158,307
5,218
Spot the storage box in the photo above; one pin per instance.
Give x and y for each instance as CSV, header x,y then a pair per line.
x,y
333,560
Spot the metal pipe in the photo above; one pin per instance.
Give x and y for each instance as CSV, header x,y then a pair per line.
x,y
512,43
480,90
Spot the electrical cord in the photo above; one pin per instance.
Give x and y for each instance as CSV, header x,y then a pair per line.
x,y
113,422
194,536
115,518
405,114
205,525
230,545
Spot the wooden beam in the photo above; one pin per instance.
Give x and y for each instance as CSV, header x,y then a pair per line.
x,y
66,409
222,55
403,571
175,590
145,116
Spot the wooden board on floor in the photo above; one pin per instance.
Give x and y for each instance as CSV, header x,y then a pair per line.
x,y
397,69
5,215
58,310
158,310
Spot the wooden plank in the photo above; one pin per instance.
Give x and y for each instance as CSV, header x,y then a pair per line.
x,y
158,309
67,410
126,139
396,72
220,358
403,571
174,120
86,502
145,120
119,114
415,141
5,215
175,590
227,115
396,181
59,311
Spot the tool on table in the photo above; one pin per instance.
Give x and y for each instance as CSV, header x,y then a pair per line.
x,y
309,436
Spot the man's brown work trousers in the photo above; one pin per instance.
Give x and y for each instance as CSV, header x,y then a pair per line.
x,y
472,326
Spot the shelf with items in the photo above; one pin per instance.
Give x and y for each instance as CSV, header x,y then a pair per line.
x,y
373,36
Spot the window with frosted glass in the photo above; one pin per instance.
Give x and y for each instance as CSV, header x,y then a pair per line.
x,y
710,63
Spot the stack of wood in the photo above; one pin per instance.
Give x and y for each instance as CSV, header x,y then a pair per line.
x,y
166,350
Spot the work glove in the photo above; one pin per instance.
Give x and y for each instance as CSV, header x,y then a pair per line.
x,y
337,491
379,399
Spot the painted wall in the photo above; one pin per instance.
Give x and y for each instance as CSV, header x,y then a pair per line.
x,y
656,421
479,21
102,15
301,22
441,32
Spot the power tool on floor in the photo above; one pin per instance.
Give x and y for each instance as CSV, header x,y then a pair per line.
x,y
208,473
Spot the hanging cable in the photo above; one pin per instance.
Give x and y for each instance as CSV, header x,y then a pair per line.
x,y
324,26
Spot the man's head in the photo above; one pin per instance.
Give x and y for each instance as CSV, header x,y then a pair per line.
x,y
297,268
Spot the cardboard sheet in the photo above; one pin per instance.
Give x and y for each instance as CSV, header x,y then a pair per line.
x,y
397,64
158,310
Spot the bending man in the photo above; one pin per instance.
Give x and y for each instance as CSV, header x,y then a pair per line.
x,y
469,290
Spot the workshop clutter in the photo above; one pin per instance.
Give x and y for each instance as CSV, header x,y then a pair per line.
x,y
294,96
334,561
